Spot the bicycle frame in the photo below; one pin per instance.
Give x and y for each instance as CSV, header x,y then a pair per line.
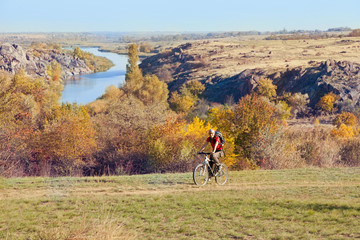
x,y
206,163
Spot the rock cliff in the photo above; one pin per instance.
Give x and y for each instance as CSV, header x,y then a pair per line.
x,y
13,57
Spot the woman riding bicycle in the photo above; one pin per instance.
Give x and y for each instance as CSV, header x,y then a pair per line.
x,y
217,148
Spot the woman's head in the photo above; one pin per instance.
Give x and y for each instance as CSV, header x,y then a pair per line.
x,y
211,133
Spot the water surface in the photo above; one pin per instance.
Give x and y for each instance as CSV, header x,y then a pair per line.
x,y
84,89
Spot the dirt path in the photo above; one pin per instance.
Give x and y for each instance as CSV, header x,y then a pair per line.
x,y
11,194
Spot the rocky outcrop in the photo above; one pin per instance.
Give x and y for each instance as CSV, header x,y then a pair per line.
x,y
174,66
180,65
340,77
13,57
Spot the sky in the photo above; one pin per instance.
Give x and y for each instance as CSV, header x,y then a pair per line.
x,y
176,15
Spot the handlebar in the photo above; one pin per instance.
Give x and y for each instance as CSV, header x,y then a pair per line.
x,y
204,153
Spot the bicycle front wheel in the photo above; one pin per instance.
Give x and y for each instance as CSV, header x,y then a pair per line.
x,y
201,174
222,175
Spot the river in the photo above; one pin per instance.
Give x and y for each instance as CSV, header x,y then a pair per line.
x,y
84,89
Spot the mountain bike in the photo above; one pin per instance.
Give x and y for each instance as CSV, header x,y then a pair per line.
x,y
204,171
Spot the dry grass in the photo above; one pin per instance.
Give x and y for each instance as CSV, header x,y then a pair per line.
x,y
228,57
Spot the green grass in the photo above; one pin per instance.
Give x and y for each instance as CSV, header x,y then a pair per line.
x,y
281,204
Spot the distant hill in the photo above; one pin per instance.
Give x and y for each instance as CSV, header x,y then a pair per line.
x,y
233,68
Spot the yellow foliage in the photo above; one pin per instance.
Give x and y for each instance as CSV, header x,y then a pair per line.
x,y
54,71
231,158
153,90
197,129
113,93
327,102
221,118
346,118
283,110
344,132
181,103
69,137
266,88
316,122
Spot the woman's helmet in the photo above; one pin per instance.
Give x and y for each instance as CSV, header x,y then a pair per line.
x,y
211,131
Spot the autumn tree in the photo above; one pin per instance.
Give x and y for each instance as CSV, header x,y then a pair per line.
x,y
266,88
149,89
134,78
252,115
153,90
181,103
145,47
26,104
327,102
188,95
345,126
54,71
66,142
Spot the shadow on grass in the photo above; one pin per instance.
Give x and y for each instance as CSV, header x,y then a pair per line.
x,y
319,207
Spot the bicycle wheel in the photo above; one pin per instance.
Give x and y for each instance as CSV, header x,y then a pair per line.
x,y
222,175
200,174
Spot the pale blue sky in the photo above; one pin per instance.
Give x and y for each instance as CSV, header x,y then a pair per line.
x,y
184,15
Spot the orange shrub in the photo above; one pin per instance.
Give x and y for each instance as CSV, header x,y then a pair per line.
x,y
346,118
344,131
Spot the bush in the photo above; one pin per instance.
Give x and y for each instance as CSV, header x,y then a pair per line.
x,y
346,118
350,153
315,146
275,151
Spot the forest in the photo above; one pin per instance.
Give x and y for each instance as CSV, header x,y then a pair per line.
x,y
142,128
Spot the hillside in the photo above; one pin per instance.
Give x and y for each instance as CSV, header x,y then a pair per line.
x,y
278,204
232,67
37,57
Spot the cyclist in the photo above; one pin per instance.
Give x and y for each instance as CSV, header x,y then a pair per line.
x,y
217,149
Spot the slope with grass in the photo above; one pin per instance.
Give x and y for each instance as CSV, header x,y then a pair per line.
x,y
282,204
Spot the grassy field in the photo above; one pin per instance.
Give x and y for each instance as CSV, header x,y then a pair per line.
x,y
281,204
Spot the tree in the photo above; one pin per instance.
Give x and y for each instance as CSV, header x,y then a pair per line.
x,y
187,98
181,103
252,115
54,71
78,52
148,89
327,102
153,90
67,141
266,88
133,78
26,105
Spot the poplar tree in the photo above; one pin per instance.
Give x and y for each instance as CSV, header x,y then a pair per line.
x,y
133,78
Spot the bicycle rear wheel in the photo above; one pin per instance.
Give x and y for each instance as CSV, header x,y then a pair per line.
x,y
201,174
222,175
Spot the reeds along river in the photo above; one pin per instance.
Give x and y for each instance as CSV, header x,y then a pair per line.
x,y
84,89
